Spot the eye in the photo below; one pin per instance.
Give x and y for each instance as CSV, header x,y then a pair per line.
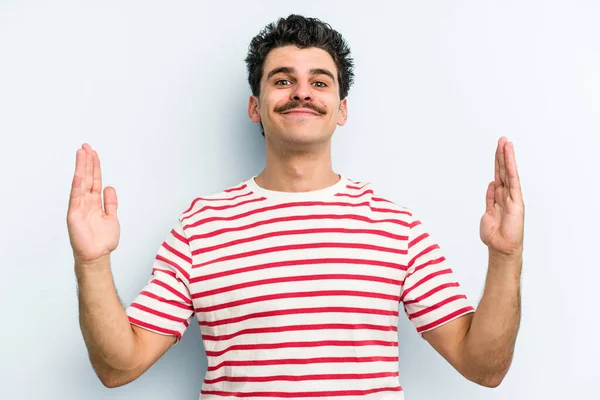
x,y
320,84
283,82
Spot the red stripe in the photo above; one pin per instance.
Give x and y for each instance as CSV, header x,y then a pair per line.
x,y
174,265
437,305
235,189
164,271
294,279
303,246
427,278
226,198
448,317
154,327
243,186
301,361
414,223
296,311
289,205
172,290
179,237
163,300
309,231
303,394
176,252
296,218
417,239
355,187
299,378
287,345
354,196
292,328
426,264
422,253
158,313
388,210
375,198
295,295
288,263
431,292
220,208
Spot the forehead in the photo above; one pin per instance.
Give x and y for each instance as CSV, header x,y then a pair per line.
x,y
302,60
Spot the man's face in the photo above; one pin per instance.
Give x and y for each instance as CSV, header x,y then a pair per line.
x,y
299,100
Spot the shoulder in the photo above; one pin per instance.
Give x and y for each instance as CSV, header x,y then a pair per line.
x,y
224,198
378,200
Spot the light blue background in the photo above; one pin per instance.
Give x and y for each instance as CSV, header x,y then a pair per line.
x,y
160,90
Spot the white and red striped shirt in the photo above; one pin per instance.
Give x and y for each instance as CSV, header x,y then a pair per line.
x,y
298,294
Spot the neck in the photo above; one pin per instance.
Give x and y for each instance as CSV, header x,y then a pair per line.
x,y
297,171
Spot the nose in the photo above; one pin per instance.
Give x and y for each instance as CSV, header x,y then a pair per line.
x,y
301,92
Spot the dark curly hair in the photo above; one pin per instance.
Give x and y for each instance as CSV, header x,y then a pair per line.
x,y
302,32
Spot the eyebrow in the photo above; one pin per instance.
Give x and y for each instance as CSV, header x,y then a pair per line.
x,y
290,70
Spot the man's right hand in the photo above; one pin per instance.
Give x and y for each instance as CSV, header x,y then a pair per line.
x,y
93,230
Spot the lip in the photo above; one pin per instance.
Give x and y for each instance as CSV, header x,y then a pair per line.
x,y
301,111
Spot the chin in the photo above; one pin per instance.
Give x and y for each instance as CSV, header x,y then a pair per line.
x,y
304,136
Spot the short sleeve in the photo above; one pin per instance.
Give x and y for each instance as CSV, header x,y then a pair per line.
x,y
164,305
431,294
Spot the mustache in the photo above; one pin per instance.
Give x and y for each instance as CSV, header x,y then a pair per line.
x,y
298,104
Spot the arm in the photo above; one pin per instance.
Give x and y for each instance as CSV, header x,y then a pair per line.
x,y
119,352
480,346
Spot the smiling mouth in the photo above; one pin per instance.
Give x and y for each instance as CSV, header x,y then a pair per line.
x,y
301,111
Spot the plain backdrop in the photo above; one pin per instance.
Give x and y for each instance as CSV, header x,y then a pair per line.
x,y
160,90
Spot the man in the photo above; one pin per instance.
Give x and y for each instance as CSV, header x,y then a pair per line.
x,y
296,275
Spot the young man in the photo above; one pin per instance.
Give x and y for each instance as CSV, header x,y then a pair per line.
x,y
296,275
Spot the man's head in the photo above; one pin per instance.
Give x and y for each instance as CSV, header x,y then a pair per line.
x,y
300,72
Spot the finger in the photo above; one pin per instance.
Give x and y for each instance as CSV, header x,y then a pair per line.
x,y
513,174
489,196
501,161
97,175
497,180
110,201
77,188
89,167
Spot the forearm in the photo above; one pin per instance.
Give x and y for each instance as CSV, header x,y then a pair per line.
x,y
489,343
106,330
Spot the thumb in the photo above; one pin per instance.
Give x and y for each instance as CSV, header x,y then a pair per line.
x,y
110,201
489,197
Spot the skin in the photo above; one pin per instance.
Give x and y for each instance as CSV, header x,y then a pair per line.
x,y
481,345
300,108
298,141
119,352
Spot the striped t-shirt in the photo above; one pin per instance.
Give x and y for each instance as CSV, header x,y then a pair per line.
x,y
298,294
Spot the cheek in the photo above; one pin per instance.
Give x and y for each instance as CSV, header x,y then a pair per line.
x,y
334,108
270,103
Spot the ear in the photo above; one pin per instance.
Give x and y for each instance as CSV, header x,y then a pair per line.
x,y
253,109
343,112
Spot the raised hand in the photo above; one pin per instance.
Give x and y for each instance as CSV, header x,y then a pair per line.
x,y
93,229
502,224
